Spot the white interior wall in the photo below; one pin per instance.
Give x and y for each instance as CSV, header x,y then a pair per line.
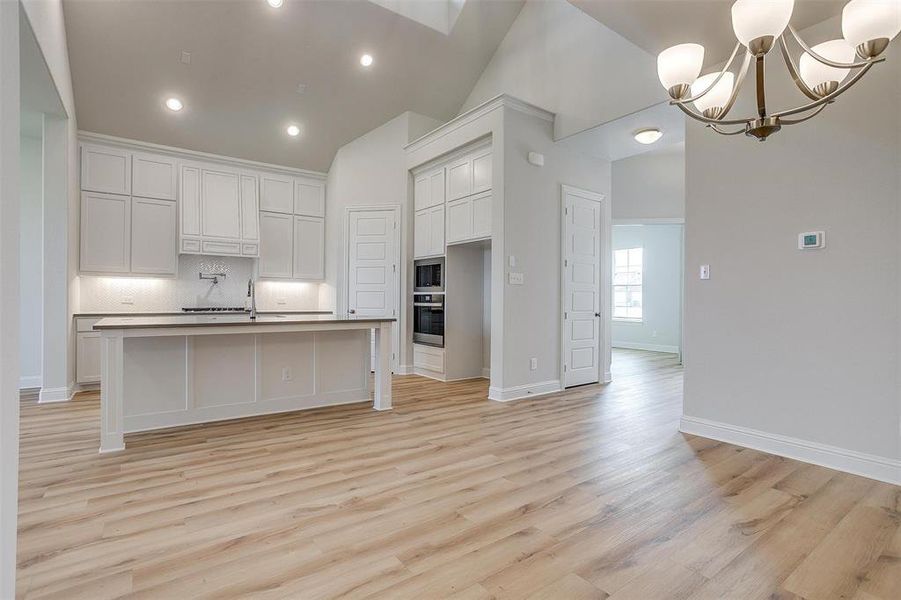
x,y
30,262
486,311
557,57
660,329
650,185
800,344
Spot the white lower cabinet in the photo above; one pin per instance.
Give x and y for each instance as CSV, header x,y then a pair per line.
x,y
87,351
428,358
469,218
428,232
153,237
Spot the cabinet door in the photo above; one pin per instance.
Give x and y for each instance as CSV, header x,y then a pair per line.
x,y
276,245
220,204
277,193
421,190
481,215
105,233
459,179
459,220
105,169
309,198
87,357
421,233
153,176
309,248
481,172
250,211
153,245
189,202
437,190
436,230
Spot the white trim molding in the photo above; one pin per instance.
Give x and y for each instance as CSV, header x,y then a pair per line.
x,y
404,370
529,390
857,463
648,347
48,395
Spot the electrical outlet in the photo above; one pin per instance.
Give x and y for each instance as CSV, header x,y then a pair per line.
x,y
128,300
281,301
286,374
516,278
533,363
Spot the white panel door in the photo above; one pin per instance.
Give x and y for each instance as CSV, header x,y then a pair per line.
x,y
153,176
189,203
581,289
250,211
220,204
309,199
105,169
309,248
276,245
277,193
153,245
105,233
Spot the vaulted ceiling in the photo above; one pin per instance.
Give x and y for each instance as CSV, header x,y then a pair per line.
x,y
240,89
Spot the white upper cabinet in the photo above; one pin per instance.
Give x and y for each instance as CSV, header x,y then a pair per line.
x,y
277,193
469,218
429,189
105,169
428,232
153,237
459,178
276,245
250,210
153,176
481,171
190,201
309,198
105,233
309,246
220,204
481,215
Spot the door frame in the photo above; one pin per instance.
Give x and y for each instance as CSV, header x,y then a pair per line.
x,y
400,324
604,280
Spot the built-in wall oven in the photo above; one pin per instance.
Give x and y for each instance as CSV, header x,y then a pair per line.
x,y
428,319
428,276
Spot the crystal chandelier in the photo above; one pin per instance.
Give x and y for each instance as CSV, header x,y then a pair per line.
x,y
867,28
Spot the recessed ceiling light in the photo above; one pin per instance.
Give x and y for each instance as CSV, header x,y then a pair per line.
x,y
275,3
174,104
648,136
366,60
293,130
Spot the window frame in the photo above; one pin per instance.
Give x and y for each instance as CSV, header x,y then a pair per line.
x,y
639,285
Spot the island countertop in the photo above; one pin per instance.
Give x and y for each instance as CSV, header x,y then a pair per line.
x,y
231,320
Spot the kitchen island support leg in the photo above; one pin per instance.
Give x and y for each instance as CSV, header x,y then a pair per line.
x,y
383,366
112,363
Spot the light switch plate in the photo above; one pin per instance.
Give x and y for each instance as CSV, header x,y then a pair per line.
x,y
705,272
516,278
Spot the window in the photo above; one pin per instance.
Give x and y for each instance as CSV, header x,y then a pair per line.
x,y
627,265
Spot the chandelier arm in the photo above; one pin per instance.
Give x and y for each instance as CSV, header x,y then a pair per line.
x,y
827,98
709,120
722,132
816,111
793,71
736,88
716,80
826,61
760,80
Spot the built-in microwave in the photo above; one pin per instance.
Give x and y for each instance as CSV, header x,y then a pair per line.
x,y
428,319
428,275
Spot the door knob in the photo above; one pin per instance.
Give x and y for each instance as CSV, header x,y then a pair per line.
x,y
352,311
595,314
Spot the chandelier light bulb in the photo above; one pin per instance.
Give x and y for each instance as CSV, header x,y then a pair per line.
x,y
756,21
866,21
718,96
816,74
679,66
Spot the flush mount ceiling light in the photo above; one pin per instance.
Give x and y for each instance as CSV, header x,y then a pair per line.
x,y
647,136
174,104
867,26
275,3
366,60
293,130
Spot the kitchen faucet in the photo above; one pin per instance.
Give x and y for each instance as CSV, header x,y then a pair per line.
x,y
252,294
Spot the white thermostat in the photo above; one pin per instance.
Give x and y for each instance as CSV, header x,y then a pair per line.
x,y
811,240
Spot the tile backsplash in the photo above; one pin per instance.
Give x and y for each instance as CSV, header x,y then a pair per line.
x,y
156,294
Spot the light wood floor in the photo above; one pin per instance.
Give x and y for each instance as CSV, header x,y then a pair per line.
x,y
585,494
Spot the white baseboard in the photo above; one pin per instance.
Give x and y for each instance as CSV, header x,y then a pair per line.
x,y
29,382
404,370
63,394
840,459
608,377
486,373
529,390
648,347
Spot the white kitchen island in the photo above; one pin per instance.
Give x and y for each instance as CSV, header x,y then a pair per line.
x,y
165,371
